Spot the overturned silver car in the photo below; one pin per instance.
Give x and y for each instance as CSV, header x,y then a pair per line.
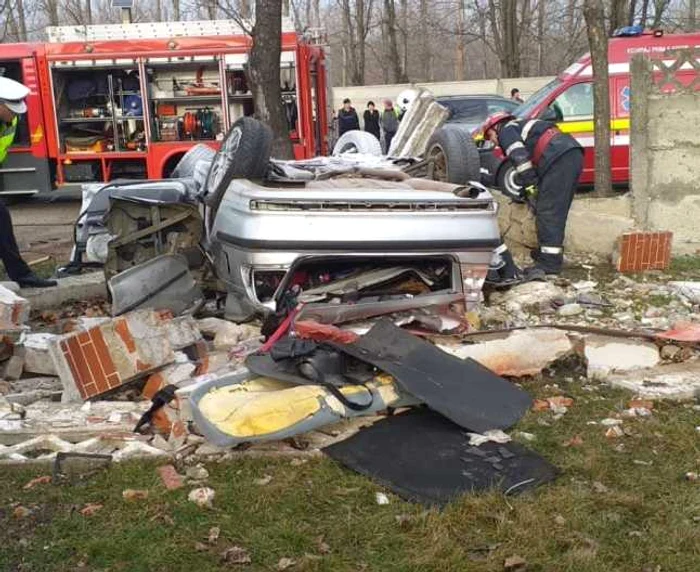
x,y
270,228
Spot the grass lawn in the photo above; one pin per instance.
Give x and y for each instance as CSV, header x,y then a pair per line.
x,y
619,505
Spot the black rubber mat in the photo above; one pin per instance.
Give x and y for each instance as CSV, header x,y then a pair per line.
x,y
462,390
425,458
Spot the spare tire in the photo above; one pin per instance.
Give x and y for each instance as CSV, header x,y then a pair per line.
x,y
244,153
357,142
455,156
185,166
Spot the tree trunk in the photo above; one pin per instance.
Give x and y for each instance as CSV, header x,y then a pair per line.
x,y
317,13
659,10
692,15
360,43
461,60
425,55
21,20
404,41
618,14
88,11
398,75
645,14
264,74
52,9
176,10
632,12
594,14
540,36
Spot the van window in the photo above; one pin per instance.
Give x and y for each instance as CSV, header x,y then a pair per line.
x,y
576,103
524,110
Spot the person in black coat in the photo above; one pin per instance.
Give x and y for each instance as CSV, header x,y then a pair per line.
x,y
371,119
347,118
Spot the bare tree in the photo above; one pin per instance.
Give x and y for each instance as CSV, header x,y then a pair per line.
x,y
594,14
264,73
357,19
398,72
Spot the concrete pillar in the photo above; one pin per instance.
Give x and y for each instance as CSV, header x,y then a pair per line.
x,y
640,152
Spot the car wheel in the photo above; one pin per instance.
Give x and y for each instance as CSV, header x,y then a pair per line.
x,y
185,166
244,153
454,155
507,181
357,142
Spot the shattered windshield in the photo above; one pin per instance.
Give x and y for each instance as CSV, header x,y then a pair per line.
x,y
525,110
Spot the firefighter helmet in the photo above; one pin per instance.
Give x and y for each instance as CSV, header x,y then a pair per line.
x,y
495,120
406,98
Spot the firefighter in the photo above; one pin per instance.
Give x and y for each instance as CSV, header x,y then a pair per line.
x,y
12,104
548,164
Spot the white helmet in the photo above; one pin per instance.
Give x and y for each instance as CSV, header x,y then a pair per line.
x,y
406,98
13,94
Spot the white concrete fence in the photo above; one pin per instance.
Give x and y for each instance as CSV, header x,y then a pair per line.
x,y
361,94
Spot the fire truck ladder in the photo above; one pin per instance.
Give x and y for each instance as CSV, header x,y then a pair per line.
x,y
151,30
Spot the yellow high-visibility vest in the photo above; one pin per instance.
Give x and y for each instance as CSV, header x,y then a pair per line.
x,y
7,136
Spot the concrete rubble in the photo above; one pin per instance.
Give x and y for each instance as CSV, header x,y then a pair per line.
x,y
51,401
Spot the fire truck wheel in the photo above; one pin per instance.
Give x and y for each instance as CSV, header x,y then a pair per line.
x,y
185,166
454,155
357,142
244,153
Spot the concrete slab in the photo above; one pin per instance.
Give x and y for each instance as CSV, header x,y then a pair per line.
x,y
606,356
69,289
677,382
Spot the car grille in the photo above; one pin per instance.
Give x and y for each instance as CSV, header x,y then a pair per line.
x,y
355,206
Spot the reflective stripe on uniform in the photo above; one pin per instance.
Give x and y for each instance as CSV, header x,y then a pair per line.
x,y
501,249
527,128
524,167
512,147
551,249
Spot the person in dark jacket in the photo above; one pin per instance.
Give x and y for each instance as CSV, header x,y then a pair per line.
x,y
371,119
347,118
389,122
548,164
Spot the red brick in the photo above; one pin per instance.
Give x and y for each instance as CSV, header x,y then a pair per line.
x,y
639,251
93,363
103,352
170,477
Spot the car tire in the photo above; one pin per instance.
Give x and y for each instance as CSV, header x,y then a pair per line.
x,y
357,142
244,153
185,166
506,180
455,156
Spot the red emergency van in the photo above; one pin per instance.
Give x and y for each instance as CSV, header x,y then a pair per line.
x,y
128,100
568,100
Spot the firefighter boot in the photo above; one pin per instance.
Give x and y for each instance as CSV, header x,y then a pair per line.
x,y
503,271
548,260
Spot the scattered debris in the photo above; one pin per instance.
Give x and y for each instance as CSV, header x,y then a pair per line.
x,y
614,432
286,563
610,422
45,480
515,564
494,435
381,498
599,487
692,476
91,508
214,534
134,494
197,473
263,481
170,477
203,497
575,441
236,556
20,512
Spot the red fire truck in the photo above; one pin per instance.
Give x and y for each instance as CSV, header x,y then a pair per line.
x,y
128,100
